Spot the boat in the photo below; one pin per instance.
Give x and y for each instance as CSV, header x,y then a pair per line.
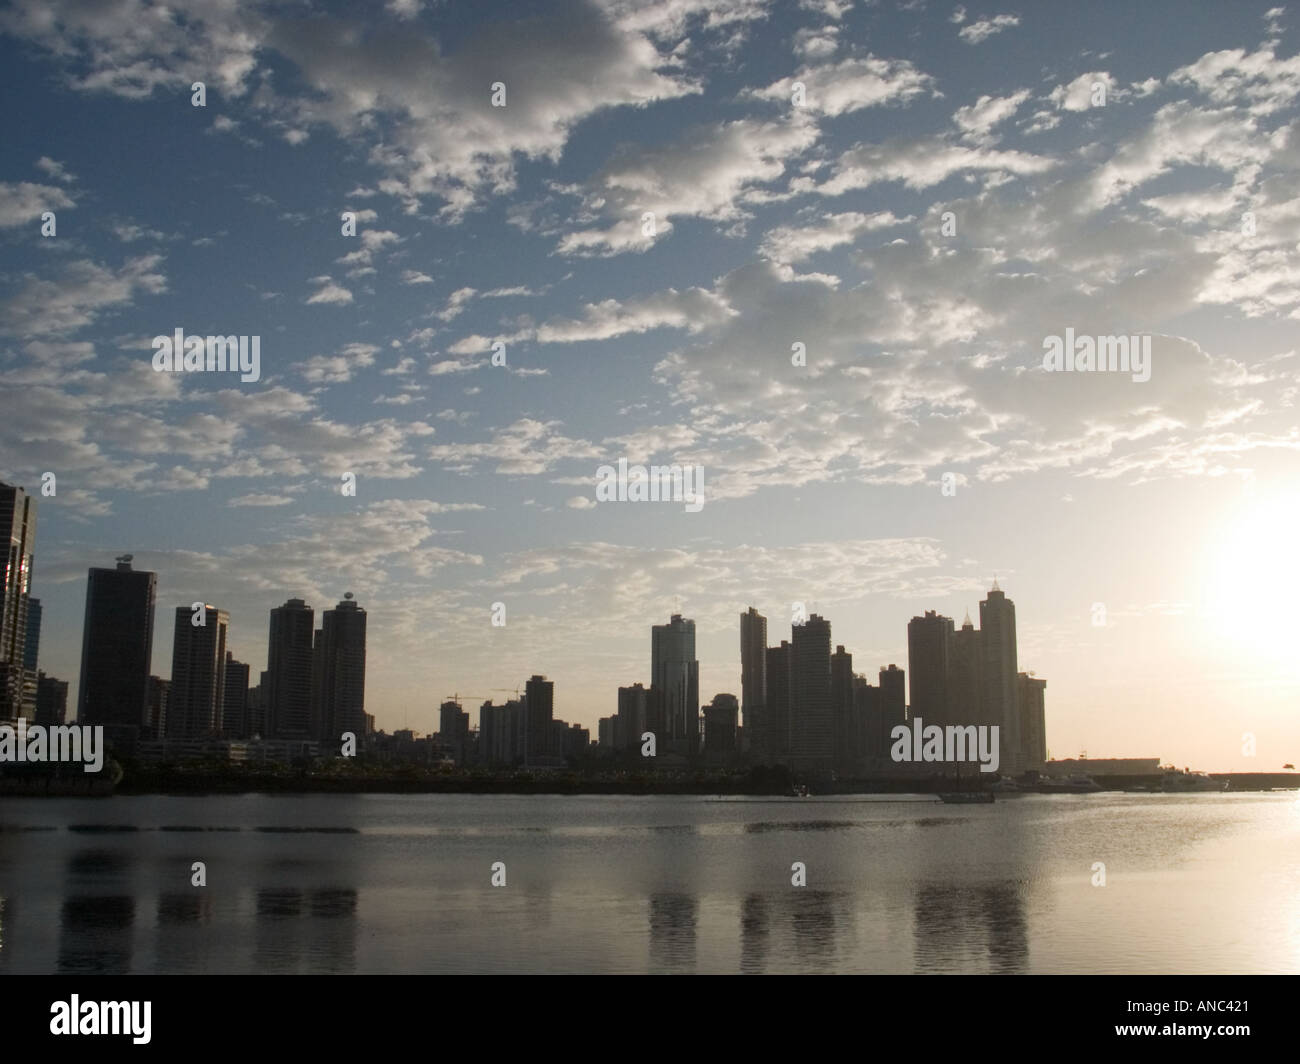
x,y
1007,788
1186,782
966,797
1076,784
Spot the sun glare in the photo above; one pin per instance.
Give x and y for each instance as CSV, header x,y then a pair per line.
x,y
1253,591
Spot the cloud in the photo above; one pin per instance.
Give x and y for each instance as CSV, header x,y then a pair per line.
x,y
982,30
692,309
920,163
24,202
82,292
331,369
329,292
55,169
976,121
706,173
850,85
796,243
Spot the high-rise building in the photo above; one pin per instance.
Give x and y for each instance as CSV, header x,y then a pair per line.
x,y
864,722
893,706
155,720
720,717
753,672
51,700
577,741
1033,725
288,689
196,699
498,732
998,661
631,719
342,672
966,677
235,723
32,653
117,646
31,657
811,714
842,707
675,677
930,648
453,731
539,709
775,728
18,534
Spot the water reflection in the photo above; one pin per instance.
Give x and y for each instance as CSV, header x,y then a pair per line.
x,y
971,928
306,931
812,919
95,934
672,932
754,933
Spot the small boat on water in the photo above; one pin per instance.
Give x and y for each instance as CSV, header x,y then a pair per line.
x,y
966,797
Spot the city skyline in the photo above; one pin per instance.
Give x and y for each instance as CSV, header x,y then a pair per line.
x,y
858,268
960,684
818,716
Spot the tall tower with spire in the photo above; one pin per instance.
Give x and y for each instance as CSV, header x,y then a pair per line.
x,y
999,684
966,678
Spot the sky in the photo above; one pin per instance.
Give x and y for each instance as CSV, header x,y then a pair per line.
x,y
645,205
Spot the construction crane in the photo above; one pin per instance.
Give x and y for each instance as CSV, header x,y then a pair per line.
x,y
457,696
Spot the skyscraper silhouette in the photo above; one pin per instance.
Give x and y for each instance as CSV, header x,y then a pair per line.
x,y
1033,734
893,706
18,535
235,723
776,714
966,677
811,723
196,699
342,672
675,679
930,649
117,646
753,673
288,693
998,660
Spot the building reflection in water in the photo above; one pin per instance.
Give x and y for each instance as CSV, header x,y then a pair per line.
x,y
96,931
184,942
672,932
754,932
306,931
812,919
971,928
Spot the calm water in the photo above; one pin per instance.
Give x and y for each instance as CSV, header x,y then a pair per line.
x,y
1194,883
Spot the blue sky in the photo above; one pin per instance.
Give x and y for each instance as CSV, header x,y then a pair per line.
x,y
775,223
